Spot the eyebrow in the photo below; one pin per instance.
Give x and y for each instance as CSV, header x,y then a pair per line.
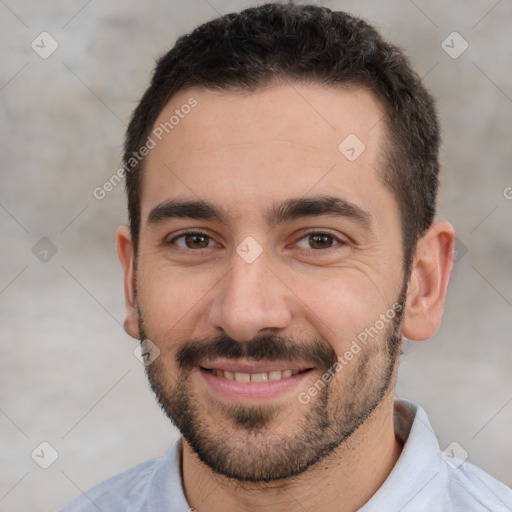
x,y
288,210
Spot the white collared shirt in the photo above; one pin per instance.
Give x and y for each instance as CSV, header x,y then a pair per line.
x,y
424,479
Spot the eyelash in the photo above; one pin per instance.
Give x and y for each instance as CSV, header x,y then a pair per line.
x,y
304,235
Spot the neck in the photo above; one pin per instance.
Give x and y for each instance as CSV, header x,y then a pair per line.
x,y
342,482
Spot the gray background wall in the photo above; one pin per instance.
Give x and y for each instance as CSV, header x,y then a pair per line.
x,y
68,373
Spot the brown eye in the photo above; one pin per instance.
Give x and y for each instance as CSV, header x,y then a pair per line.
x,y
318,240
192,240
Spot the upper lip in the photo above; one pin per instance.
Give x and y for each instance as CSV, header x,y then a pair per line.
x,y
254,366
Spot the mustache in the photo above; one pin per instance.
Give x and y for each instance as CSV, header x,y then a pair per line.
x,y
268,346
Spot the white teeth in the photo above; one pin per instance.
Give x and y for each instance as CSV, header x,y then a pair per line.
x,y
259,377
242,377
255,377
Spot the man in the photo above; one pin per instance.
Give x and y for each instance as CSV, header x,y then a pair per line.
x,y
282,174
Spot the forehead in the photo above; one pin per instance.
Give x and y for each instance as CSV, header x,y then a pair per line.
x,y
238,148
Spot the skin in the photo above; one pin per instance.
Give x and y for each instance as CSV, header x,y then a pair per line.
x,y
243,152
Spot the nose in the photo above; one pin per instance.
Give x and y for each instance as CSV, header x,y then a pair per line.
x,y
250,299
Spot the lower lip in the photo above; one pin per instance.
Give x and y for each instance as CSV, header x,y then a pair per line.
x,y
233,390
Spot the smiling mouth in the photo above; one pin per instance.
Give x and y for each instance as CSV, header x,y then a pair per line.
x,y
253,381
273,375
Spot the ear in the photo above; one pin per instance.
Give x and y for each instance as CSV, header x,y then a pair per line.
x,y
126,257
432,265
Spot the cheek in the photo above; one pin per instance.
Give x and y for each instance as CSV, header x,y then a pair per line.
x,y
171,299
342,307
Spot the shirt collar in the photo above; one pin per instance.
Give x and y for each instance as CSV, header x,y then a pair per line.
x,y
418,465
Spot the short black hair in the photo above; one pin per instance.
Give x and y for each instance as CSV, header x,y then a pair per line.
x,y
276,41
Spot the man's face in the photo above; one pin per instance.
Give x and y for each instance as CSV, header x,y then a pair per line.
x,y
270,286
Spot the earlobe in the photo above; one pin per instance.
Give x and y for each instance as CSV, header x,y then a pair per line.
x,y
428,283
126,257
